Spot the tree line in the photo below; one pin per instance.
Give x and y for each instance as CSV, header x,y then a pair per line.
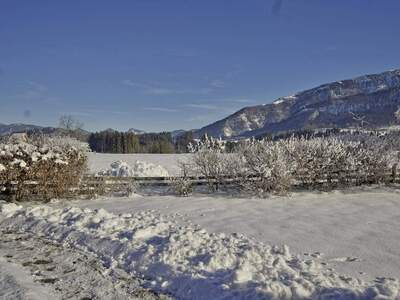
x,y
128,142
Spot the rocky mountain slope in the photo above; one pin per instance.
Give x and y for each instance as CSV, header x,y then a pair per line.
x,y
369,101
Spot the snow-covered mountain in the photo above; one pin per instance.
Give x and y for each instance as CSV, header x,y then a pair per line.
x,y
136,131
373,100
23,128
17,128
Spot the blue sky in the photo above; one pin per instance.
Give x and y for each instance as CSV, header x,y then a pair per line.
x,y
163,65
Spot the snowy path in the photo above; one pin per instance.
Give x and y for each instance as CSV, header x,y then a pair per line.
x,y
17,284
357,233
37,269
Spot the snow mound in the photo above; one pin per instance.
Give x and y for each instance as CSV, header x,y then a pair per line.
x,y
190,263
8,209
138,169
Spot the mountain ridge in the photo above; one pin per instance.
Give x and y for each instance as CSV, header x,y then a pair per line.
x,y
374,97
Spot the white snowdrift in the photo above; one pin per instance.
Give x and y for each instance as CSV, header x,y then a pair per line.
x,y
189,262
138,169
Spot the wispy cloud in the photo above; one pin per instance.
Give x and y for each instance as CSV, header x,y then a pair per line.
x,y
217,83
202,106
35,92
184,53
243,101
95,111
37,86
162,109
227,105
77,113
234,72
198,118
162,89
132,83
152,89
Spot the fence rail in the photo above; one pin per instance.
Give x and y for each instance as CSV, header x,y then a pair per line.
x,y
92,184
120,183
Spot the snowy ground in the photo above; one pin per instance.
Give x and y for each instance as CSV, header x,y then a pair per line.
x,y
340,245
356,232
32,267
338,242
16,283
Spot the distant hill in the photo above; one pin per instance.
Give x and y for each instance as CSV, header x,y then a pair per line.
x,y
177,133
17,128
136,131
370,101
28,128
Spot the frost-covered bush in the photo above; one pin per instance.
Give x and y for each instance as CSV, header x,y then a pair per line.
x,y
210,160
338,160
210,163
319,159
259,167
274,166
182,186
64,143
207,143
132,188
266,167
43,167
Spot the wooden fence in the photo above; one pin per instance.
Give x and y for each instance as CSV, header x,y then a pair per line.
x,y
122,183
91,184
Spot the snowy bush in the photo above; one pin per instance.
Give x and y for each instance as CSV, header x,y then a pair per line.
x,y
182,186
274,166
343,161
319,159
43,167
132,188
266,167
207,143
211,163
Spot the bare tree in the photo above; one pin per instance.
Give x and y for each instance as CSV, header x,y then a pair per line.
x,y
70,123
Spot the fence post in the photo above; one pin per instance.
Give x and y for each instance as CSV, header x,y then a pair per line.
x,y
394,173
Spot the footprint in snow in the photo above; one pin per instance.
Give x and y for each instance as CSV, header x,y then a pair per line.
x,y
345,259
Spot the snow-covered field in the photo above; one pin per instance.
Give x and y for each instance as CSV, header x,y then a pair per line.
x,y
355,231
188,262
338,242
336,245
